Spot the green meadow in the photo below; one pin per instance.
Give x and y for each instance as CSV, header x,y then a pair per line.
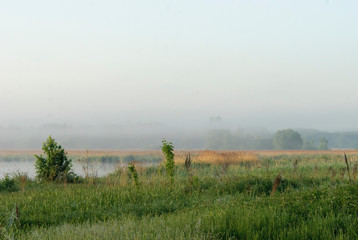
x,y
215,195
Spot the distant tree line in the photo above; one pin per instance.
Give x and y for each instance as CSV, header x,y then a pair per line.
x,y
147,138
287,139
224,139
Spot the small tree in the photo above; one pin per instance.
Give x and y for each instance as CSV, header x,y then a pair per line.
x,y
167,149
54,165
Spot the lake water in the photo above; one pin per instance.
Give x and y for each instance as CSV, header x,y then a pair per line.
x,y
28,167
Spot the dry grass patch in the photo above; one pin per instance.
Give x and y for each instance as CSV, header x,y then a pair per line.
x,y
214,157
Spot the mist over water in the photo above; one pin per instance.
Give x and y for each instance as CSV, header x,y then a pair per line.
x,y
215,134
124,75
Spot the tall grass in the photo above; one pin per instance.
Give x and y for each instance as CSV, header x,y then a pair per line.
x,y
238,196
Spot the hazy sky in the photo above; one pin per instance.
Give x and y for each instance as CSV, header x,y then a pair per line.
x,y
275,63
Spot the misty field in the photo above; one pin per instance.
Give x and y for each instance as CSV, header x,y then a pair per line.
x,y
215,195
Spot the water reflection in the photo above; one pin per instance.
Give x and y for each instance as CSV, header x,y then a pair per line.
x,y
92,164
80,168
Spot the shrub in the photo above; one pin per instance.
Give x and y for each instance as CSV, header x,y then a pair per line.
x,y
8,184
55,166
167,149
133,172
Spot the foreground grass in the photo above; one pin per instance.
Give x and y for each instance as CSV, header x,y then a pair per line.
x,y
280,217
219,202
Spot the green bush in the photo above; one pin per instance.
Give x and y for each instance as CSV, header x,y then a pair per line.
x,y
8,184
55,166
167,149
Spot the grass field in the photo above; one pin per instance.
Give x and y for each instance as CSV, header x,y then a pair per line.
x,y
221,195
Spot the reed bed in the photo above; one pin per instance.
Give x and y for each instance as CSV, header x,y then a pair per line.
x,y
217,157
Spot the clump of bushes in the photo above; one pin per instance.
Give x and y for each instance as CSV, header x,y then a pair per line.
x,y
8,184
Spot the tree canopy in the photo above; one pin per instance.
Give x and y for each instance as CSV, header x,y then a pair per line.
x,y
287,139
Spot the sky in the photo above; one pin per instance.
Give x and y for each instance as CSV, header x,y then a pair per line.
x,y
272,64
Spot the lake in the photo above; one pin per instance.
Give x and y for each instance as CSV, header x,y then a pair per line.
x,y
28,167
